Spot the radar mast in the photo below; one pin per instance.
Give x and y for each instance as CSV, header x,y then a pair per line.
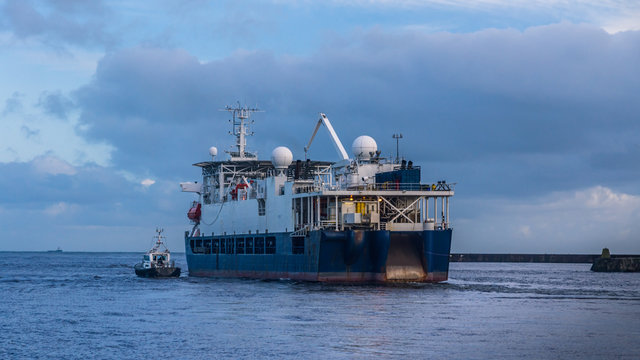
x,y
240,123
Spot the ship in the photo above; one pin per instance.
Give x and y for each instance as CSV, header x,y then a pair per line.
x,y
362,218
157,263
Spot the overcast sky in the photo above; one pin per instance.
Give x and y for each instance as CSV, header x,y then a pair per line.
x,y
531,107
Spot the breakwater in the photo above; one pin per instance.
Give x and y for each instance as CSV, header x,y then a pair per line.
x,y
531,258
613,264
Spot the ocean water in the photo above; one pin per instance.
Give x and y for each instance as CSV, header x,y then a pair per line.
x,y
91,305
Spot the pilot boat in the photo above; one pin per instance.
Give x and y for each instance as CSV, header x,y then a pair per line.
x,y
157,263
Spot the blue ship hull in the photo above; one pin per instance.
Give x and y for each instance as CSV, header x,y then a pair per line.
x,y
322,255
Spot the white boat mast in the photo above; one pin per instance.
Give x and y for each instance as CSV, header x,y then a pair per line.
x,y
239,120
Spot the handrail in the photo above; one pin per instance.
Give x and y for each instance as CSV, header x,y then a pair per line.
x,y
388,186
301,232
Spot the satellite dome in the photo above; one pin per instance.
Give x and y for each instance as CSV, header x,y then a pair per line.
x,y
213,151
363,147
281,157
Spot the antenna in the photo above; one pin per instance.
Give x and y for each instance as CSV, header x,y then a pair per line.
x,y
397,137
240,129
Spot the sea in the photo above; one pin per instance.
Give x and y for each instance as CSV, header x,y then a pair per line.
x,y
93,306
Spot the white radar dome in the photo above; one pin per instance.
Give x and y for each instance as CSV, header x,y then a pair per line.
x,y
363,146
213,151
281,157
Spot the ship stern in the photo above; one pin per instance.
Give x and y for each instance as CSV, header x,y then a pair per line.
x,y
384,256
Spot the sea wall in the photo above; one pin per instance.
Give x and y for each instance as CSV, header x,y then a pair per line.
x,y
534,258
613,264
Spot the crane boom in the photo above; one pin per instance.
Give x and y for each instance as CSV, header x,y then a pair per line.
x,y
334,137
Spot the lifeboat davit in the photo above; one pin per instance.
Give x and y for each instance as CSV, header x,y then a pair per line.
x,y
195,212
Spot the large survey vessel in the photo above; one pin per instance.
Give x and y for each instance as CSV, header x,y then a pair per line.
x,y
358,219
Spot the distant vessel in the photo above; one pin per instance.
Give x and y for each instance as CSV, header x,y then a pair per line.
x,y
360,219
58,250
157,262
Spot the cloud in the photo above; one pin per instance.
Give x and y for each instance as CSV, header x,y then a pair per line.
x,y
32,131
53,166
55,104
500,111
614,16
94,209
60,208
581,221
58,23
147,182
545,118
13,104
28,132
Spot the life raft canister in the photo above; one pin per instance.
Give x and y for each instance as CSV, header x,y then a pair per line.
x,y
195,212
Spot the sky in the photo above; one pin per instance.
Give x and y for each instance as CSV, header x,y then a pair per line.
x,y
531,107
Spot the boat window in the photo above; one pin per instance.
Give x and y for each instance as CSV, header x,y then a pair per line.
x,y
270,245
207,246
261,207
223,246
240,246
216,246
193,245
146,257
230,246
199,249
259,245
248,245
297,245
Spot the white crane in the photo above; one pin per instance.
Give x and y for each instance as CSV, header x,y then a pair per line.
x,y
334,137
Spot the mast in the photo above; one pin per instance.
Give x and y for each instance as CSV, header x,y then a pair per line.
x,y
240,129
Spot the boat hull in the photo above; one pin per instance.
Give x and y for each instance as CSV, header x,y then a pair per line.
x,y
352,256
157,272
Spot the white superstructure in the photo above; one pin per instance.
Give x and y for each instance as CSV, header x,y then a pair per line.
x,y
244,195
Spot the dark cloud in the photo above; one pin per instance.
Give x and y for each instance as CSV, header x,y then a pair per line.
x,y
56,104
13,104
28,132
58,23
499,111
26,183
84,208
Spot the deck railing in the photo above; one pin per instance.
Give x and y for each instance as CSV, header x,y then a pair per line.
x,y
388,186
